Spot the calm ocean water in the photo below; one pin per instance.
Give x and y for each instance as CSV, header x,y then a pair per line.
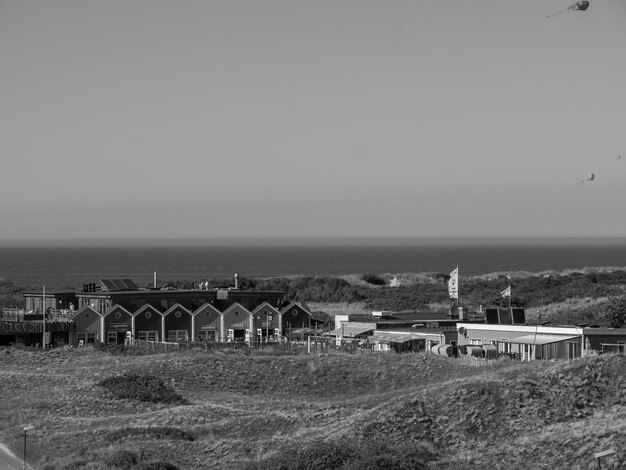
x,y
72,266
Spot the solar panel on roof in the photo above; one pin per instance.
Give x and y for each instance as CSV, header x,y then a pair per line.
x,y
519,316
118,284
491,315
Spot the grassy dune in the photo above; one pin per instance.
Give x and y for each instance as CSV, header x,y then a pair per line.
x,y
230,409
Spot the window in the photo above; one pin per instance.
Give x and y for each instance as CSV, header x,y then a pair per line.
x,y
151,335
177,336
207,335
112,337
86,337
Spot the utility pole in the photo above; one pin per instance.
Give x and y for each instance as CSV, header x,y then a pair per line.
x,y
27,428
43,311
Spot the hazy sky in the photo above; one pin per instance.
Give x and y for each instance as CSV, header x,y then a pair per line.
x,y
260,118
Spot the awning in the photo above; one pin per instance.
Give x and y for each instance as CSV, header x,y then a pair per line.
x,y
396,338
352,331
539,339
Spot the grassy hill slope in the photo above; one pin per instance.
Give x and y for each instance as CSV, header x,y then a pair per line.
x,y
229,409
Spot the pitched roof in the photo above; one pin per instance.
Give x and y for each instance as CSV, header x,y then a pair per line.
x,y
175,307
265,306
116,308
145,307
236,306
82,310
204,307
298,304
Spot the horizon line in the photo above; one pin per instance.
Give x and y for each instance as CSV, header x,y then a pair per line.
x,y
312,241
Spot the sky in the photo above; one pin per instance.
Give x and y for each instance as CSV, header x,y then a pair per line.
x,y
343,118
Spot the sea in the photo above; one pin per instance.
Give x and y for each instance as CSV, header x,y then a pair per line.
x,y
71,263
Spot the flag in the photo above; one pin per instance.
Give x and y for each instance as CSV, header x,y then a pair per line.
x,y
453,284
506,292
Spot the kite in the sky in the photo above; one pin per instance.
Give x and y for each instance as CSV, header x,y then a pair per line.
x,y
590,177
578,6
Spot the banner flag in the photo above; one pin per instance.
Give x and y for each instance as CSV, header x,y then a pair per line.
x,y
506,292
453,284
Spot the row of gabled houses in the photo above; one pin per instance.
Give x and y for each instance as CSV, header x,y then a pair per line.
x,y
118,325
114,311
179,324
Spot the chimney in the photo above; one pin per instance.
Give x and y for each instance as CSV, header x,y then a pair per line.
x,y
155,279
236,281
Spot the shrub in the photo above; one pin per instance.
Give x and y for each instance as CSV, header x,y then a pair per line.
x,y
157,466
124,459
374,279
348,454
118,349
156,432
148,388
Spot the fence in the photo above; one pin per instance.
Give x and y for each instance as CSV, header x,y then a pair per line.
x,y
619,348
158,346
318,345
12,314
18,314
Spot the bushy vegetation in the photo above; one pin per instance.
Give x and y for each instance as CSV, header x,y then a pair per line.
x,y
348,454
529,290
374,279
150,388
157,466
116,459
566,294
118,349
149,432
10,295
616,311
426,292
121,459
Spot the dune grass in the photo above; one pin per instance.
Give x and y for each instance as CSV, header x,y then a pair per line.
x,y
248,410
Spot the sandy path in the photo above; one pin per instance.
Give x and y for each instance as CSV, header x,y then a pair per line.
x,y
8,460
